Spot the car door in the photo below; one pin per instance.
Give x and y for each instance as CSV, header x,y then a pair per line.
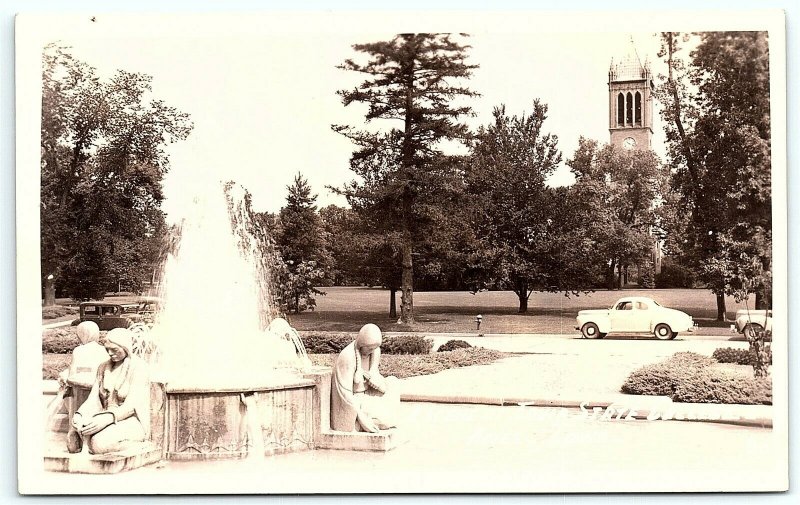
x,y
642,319
622,317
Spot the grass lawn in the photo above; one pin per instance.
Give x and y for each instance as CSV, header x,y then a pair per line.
x,y
347,308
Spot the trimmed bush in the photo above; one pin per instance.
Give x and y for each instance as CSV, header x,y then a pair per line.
x,y
60,340
659,379
333,343
738,356
691,359
326,344
406,344
712,385
452,345
692,378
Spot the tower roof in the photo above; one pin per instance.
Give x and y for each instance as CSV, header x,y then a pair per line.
x,y
630,68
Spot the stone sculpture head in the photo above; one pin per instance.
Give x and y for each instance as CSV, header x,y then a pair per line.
x,y
119,344
88,331
369,338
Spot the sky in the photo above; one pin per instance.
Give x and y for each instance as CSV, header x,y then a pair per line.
x,y
263,103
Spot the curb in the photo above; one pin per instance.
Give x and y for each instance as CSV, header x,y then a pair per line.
x,y
676,412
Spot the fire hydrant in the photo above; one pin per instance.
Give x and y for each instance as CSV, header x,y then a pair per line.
x,y
478,320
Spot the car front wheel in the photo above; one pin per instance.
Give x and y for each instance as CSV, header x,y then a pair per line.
x,y
752,329
664,332
590,330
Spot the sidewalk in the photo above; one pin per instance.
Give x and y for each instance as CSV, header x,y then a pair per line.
x,y
557,374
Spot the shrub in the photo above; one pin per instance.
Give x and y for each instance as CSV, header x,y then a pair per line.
x,y
691,359
712,385
60,340
333,343
326,344
738,356
674,276
452,345
406,344
689,377
56,311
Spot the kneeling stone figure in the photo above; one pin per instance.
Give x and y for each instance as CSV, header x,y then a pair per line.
x,y
361,398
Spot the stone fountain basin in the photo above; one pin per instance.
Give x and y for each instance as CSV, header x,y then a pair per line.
x,y
201,423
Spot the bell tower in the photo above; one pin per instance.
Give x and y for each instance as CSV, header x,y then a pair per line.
x,y
630,102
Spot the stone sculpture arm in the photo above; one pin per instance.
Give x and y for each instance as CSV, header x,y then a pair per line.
x,y
139,389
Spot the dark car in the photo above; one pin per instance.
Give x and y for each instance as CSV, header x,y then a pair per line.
x,y
110,315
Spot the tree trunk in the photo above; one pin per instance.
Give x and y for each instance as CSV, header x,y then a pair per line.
x,y
407,298
393,303
721,307
523,301
619,276
49,291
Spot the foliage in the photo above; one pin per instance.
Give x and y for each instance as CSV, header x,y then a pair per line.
x,y
103,161
513,213
620,190
647,276
452,345
737,356
325,343
403,177
406,344
54,364
673,275
761,350
412,365
302,242
56,311
691,377
60,340
713,385
332,342
717,115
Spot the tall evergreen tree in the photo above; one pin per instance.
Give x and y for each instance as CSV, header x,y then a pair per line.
x,y
412,79
302,243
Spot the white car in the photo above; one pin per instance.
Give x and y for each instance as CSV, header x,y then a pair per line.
x,y
750,321
636,314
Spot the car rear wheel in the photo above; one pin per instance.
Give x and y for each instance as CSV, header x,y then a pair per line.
x,y
590,330
664,332
752,329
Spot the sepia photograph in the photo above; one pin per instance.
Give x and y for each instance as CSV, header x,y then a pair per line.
x,y
441,252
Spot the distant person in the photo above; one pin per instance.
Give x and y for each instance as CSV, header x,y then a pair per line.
x,y
117,412
361,398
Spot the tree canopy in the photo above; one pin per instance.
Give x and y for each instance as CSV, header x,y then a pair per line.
x,y
718,132
103,160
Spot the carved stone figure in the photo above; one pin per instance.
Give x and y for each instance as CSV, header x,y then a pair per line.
x,y
361,398
117,411
80,375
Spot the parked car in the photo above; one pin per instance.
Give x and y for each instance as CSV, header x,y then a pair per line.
x,y
749,322
109,315
634,315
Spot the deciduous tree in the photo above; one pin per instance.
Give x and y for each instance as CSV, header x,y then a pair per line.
x,y
103,160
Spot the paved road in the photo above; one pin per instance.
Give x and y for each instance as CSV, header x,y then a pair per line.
x,y
479,448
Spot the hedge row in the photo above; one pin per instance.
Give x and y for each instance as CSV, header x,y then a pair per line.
x,y
333,343
452,345
691,378
64,340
